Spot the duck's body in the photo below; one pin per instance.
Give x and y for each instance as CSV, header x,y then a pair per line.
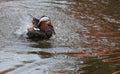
x,y
38,35
43,30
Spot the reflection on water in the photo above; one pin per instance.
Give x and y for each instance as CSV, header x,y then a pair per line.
x,y
42,54
41,44
102,22
87,39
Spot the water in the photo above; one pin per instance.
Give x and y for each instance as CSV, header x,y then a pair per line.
x,y
87,39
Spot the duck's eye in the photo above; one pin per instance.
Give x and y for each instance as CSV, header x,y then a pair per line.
x,y
33,22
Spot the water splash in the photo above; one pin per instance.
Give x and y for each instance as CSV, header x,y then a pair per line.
x,y
25,23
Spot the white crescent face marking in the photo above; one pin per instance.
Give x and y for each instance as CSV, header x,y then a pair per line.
x,y
45,19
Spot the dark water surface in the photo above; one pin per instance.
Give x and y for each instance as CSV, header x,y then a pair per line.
x,y
87,39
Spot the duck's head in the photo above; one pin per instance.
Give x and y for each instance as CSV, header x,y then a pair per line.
x,y
35,21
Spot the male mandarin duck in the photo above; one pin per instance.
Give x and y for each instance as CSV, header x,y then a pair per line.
x,y
42,28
